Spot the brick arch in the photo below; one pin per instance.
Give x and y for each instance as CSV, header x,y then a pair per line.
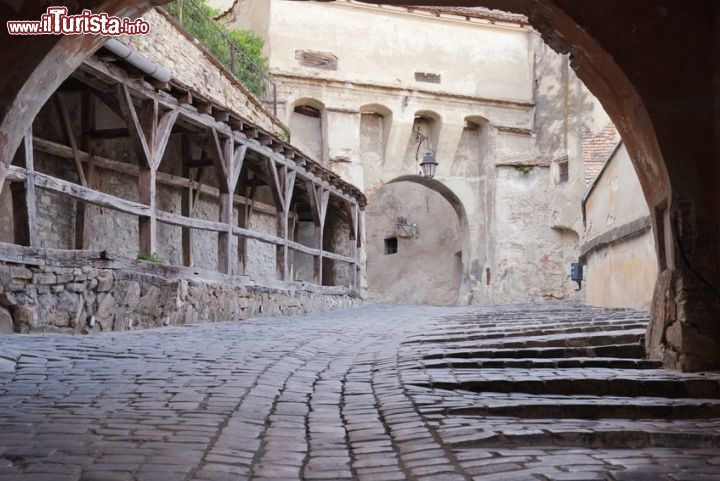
x,y
35,66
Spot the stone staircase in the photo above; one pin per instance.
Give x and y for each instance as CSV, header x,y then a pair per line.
x,y
555,375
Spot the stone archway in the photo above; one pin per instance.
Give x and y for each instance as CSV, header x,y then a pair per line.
x,y
429,269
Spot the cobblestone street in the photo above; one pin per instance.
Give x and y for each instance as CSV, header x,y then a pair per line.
x,y
525,392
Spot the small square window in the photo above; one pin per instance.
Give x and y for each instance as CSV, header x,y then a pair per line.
x,y
391,245
564,173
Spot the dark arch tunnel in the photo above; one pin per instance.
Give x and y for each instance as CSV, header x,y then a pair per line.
x,y
654,66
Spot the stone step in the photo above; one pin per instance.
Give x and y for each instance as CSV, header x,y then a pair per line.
x,y
624,434
584,384
489,333
563,363
632,350
599,408
557,340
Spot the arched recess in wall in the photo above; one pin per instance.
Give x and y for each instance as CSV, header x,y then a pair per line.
x,y
427,124
308,128
474,149
375,123
427,268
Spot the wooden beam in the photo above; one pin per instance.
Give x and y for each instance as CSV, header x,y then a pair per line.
x,y
186,206
147,225
151,133
100,162
203,107
134,126
247,136
164,128
23,198
221,115
245,212
70,135
89,195
83,213
196,181
200,224
319,198
230,160
354,252
236,123
318,252
184,98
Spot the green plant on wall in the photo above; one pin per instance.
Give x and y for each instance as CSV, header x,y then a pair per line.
x,y
525,169
144,256
247,62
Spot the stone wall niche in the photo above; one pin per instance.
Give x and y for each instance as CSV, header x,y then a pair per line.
x,y
307,125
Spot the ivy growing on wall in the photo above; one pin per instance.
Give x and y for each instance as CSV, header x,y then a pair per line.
x,y
246,62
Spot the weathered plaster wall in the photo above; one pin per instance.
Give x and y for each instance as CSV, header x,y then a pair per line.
x,y
622,270
622,275
425,270
503,99
532,260
616,198
420,44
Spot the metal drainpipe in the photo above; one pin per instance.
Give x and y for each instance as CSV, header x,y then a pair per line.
x,y
163,74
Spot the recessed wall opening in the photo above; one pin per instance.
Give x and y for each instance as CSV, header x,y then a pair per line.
x,y
391,245
427,269
563,172
306,123
308,111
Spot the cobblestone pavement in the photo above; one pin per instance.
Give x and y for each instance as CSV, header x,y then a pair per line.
x,y
535,392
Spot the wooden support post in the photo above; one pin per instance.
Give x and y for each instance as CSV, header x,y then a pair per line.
x,y
83,212
23,199
147,190
245,212
187,202
356,247
151,133
319,197
228,163
70,136
353,212
283,183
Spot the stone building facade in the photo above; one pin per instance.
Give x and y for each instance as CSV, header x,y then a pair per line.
x,y
505,116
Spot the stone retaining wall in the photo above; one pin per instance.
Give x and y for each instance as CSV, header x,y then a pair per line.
x,y
84,292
